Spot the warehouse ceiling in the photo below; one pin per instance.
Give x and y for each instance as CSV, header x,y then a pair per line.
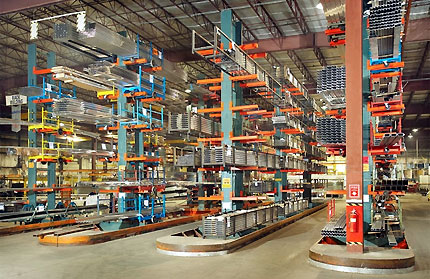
x,y
290,31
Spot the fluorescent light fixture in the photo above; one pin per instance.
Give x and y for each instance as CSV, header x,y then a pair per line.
x,y
187,90
324,107
320,6
410,136
415,130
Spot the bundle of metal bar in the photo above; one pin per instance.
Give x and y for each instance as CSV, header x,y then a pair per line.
x,y
193,123
331,85
331,131
335,229
113,74
80,79
82,111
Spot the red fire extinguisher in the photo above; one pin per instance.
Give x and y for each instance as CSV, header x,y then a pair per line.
x,y
353,222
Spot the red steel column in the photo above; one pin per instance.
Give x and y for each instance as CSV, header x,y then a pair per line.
x,y
354,124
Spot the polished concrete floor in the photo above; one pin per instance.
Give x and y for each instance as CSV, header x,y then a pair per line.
x,y
283,254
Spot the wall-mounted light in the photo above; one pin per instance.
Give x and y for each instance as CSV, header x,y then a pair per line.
x,y
415,130
410,136
187,90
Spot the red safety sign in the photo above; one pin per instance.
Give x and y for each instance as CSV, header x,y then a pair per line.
x,y
354,191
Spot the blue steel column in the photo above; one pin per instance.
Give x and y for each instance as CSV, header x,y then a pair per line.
x,y
200,174
51,61
230,181
367,168
122,148
279,176
226,116
32,111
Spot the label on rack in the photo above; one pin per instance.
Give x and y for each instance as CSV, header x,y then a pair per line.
x,y
226,183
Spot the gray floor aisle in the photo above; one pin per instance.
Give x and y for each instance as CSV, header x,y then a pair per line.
x,y
282,254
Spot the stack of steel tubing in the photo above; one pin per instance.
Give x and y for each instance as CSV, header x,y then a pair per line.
x,y
82,111
335,229
331,131
389,139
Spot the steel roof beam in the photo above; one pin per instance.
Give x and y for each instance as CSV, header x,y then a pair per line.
x,y
8,6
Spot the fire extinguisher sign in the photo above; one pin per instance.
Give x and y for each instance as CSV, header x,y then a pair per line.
x,y
354,191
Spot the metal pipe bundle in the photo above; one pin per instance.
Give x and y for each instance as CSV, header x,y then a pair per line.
x,y
335,229
82,111
331,82
331,131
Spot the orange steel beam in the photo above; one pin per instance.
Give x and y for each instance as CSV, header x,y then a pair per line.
x,y
244,138
42,71
336,192
253,112
151,100
135,94
215,88
382,66
238,108
211,169
253,84
383,75
253,141
209,81
267,133
212,198
381,108
296,112
209,139
209,110
290,109
215,115
135,61
246,77
258,55
387,113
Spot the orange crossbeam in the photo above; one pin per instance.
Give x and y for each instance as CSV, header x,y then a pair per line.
x,y
244,138
209,81
153,69
292,150
387,113
290,109
291,131
245,107
151,100
253,84
135,94
267,133
205,52
253,141
253,112
215,88
382,66
215,115
383,75
296,112
43,101
246,77
135,61
209,110
258,55
211,169
212,198
209,139
297,93
41,71
336,192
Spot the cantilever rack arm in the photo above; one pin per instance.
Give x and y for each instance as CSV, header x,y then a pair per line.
x,y
234,55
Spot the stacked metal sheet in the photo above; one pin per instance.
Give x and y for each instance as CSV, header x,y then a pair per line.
x,y
335,229
331,131
80,79
331,83
81,111
391,185
188,160
261,186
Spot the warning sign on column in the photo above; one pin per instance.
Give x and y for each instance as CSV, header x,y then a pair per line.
x,y
354,191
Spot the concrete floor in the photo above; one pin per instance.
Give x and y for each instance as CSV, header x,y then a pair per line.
x,y
283,254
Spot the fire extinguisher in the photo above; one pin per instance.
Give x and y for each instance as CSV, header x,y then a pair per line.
x,y
353,222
